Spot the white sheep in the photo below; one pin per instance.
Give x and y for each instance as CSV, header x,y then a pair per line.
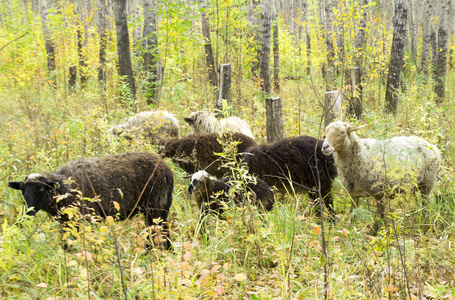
x,y
153,125
372,167
202,122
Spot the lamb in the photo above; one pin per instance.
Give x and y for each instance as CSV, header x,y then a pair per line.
x,y
202,122
209,191
371,167
137,181
296,160
152,125
196,152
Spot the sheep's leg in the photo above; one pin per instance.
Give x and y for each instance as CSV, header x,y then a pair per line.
x,y
380,215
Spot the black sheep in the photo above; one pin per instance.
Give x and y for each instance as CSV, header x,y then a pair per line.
x,y
205,188
294,160
137,181
196,152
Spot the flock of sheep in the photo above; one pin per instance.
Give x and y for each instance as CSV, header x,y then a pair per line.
x,y
132,182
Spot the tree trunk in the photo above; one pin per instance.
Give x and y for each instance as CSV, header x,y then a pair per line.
x,y
396,57
264,72
137,26
225,86
360,49
413,29
125,69
274,119
255,21
427,32
308,36
329,45
150,52
208,45
340,41
82,40
355,106
276,56
48,41
441,63
332,107
102,31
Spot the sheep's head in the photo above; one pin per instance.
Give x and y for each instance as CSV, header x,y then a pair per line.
x,y
199,180
338,137
201,122
36,189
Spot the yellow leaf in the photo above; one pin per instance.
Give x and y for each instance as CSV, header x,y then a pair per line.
x,y
311,244
187,256
42,285
184,265
391,288
240,277
109,220
103,229
316,230
116,205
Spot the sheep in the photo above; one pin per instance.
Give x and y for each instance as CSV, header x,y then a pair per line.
x,y
137,181
209,191
293,160
372,167
202,122
152,125
196,152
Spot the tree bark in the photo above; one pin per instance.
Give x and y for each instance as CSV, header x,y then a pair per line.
x,y
329,45
276,55
125,69
208,45
264,72
332,107
82,40
274,119
102,31
308,36
150,52
48,41
396,57
225,86
360,48
441,63
413,29
427,32
255,21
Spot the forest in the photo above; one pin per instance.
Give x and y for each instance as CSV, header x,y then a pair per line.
x,y
73,70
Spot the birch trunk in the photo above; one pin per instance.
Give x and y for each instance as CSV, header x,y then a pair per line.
x,y
427,32
276,55
102,31
48,41
125,69
208,45
441,63
255,21
264,71
329,45
150,52
396,57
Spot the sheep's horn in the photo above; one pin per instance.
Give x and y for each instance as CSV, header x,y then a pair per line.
x,y
355,128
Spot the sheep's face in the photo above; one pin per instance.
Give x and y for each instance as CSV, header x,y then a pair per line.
x,y
198,181
338,137
36,190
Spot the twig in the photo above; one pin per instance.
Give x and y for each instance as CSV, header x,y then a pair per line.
x,y
14,40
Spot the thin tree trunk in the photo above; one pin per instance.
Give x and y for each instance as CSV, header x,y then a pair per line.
x,y
360,49
208,45
264,72
308,36
427,32
441,63
102,31
340,43
48,41
150,51
125,69
255,21
396,57
276,55
82,40
137,26
329,45
413,30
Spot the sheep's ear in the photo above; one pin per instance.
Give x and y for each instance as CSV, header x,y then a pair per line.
x,y
52,184
188,120
15,184
355,128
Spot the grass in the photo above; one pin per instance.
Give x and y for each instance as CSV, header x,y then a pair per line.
x,y
250,254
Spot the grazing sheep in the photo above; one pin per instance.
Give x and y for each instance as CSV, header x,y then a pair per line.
x,y
209,191
152,125
137,181
294,160
196,152
371,167
202,122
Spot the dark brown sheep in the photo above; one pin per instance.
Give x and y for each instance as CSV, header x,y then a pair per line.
x,y
209,192
294,160
197,152
137,181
